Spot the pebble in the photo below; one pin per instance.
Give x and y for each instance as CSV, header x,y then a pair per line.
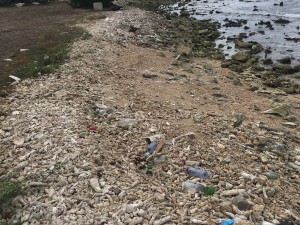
x,y
241,203
271,175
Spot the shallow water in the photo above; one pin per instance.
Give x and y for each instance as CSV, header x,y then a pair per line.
x,y
219,10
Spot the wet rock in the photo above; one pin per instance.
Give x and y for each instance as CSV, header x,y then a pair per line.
x,y
285,60
243,44
241,56
268,61
283,69
281,21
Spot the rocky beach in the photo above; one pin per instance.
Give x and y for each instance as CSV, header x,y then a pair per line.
x,y
79,141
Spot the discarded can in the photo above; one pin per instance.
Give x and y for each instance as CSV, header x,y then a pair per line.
x,y
197,172
151,147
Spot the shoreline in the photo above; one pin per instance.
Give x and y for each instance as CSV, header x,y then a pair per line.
x,y
75,139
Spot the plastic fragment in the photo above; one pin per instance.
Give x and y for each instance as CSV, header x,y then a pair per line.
x,y
227,222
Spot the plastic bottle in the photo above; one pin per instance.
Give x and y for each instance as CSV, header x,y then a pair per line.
x,y
151,147
197,172
190,185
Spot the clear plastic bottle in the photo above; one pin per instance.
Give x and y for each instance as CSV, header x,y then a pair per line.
x,y
151,147
187,185
197,172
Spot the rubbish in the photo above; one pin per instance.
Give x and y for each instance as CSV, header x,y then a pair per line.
x,y
208,191
127,123
271,175
158,159
248,176
158,149
187,185
287,222
7,60
24,49
227,222
101,112
92,128
232,192
15,78
267,223
191,135
151,147
197,172
19,4
98,6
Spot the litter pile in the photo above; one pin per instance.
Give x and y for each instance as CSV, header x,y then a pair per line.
x,y
100,142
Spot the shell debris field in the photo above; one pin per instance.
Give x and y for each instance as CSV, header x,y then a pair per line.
x,y
76,139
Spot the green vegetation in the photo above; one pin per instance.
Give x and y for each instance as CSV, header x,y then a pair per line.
x,y
52,51
8,191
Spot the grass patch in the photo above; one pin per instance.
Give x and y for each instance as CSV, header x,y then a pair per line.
x,y
48,54
8,191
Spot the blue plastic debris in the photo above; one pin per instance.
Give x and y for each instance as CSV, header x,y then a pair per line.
x,y
227,222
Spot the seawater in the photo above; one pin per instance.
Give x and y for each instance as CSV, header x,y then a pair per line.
x,y
253,12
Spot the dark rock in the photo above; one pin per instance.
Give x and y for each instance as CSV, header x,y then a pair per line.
x,y
184,13
283,69
281,21
241,203
271,175
285,60
268,61
256,48
287,222
115,190
242,44
241,56
237,68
